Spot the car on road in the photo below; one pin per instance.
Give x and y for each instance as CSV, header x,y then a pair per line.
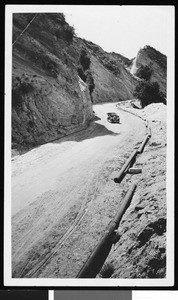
x,y
113,117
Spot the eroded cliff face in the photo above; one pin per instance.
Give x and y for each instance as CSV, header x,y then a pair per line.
x,y
112,80
57,76
148,56
48,98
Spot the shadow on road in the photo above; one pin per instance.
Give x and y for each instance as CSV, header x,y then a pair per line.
x,y
93,130
97,118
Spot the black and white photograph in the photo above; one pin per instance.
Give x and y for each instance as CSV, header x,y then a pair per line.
x,y
89,145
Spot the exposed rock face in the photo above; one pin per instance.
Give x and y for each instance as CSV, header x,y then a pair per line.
x,y
149,56
112,81
48,99
56,77
53,85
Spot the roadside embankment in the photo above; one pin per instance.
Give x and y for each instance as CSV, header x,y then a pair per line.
x,y
141,250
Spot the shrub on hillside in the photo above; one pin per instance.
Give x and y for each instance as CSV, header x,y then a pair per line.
x,y
21,87
90,81
111,65
144,72
65,31
84,70
83,64
68,33
84,60
148,92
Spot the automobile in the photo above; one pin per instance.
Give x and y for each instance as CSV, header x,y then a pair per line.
x,y
113,117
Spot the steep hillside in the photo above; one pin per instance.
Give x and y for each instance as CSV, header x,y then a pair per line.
x,y
48,98
149,56
56,76
112,81
123,60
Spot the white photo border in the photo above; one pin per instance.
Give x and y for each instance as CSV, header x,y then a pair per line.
x,y
53,282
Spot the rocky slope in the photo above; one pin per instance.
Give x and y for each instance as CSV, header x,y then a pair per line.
x,y
57,76
54,83
48,98
141,250
112,80
149,56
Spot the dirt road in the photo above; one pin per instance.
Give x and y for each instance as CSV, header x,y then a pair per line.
x,y
64,196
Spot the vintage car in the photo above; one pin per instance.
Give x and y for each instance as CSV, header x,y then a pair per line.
x,y
113,117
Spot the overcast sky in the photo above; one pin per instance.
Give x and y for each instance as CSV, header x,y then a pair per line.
x,y
122,29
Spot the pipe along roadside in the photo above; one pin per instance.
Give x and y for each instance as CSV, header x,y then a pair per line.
x,y
95,262
129,162
140,149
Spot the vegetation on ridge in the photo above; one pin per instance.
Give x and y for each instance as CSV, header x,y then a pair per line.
x,y
148,92
84,70
144,72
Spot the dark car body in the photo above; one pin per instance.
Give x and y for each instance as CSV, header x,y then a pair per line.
x,y
113,117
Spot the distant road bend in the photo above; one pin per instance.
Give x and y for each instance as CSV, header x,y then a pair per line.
x,y
63,195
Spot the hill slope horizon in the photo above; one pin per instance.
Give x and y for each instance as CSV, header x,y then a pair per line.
x,y
57,77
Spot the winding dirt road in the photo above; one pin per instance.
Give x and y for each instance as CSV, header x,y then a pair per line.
x,y
64,196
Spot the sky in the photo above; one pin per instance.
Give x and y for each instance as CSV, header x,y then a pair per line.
x,y
122,29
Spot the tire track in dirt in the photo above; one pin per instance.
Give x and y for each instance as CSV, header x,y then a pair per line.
x,y
78,219
89,153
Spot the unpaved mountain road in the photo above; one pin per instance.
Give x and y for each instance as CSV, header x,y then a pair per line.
x,y
64,196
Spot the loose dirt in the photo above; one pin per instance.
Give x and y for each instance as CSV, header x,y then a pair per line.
x,y
141,251
64,196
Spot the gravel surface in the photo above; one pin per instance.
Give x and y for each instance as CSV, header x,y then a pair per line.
x,y
141,251
64,196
